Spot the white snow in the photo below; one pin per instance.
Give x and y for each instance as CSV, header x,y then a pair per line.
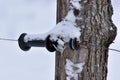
x,y
111,28
30,37
73,70
85,1
70,16
75,4
65,30
61,45
60,42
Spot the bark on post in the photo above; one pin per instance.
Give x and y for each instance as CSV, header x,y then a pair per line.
x,y
97,33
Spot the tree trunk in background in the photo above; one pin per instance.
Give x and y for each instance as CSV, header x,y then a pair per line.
x,y
98,33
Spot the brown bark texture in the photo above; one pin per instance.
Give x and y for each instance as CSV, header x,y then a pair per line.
x,y
98,33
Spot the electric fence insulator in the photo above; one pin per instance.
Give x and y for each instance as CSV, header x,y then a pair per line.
x,y
25,46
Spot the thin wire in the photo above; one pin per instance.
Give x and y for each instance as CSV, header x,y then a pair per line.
x,y
109,48
55,47
114,50
6,39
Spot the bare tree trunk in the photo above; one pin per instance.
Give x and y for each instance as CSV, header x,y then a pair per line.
x,y
97,33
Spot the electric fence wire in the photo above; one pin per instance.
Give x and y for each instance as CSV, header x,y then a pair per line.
x,y
114,50
6,39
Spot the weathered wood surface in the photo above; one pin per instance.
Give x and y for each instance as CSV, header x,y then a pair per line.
x,y
99,32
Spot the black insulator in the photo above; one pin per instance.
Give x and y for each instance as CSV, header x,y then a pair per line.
x,y
50,45
22,44
36,43
74,44
25,46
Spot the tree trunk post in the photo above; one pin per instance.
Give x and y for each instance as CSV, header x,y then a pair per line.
x,y
97,33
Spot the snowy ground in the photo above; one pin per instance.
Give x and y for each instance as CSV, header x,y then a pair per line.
x,y
37,16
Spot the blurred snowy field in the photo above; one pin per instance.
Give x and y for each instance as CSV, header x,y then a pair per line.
x,y
37,16
30,16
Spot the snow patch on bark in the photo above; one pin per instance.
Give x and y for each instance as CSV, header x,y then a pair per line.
x,y
73,70
75,4
70,17
111,28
